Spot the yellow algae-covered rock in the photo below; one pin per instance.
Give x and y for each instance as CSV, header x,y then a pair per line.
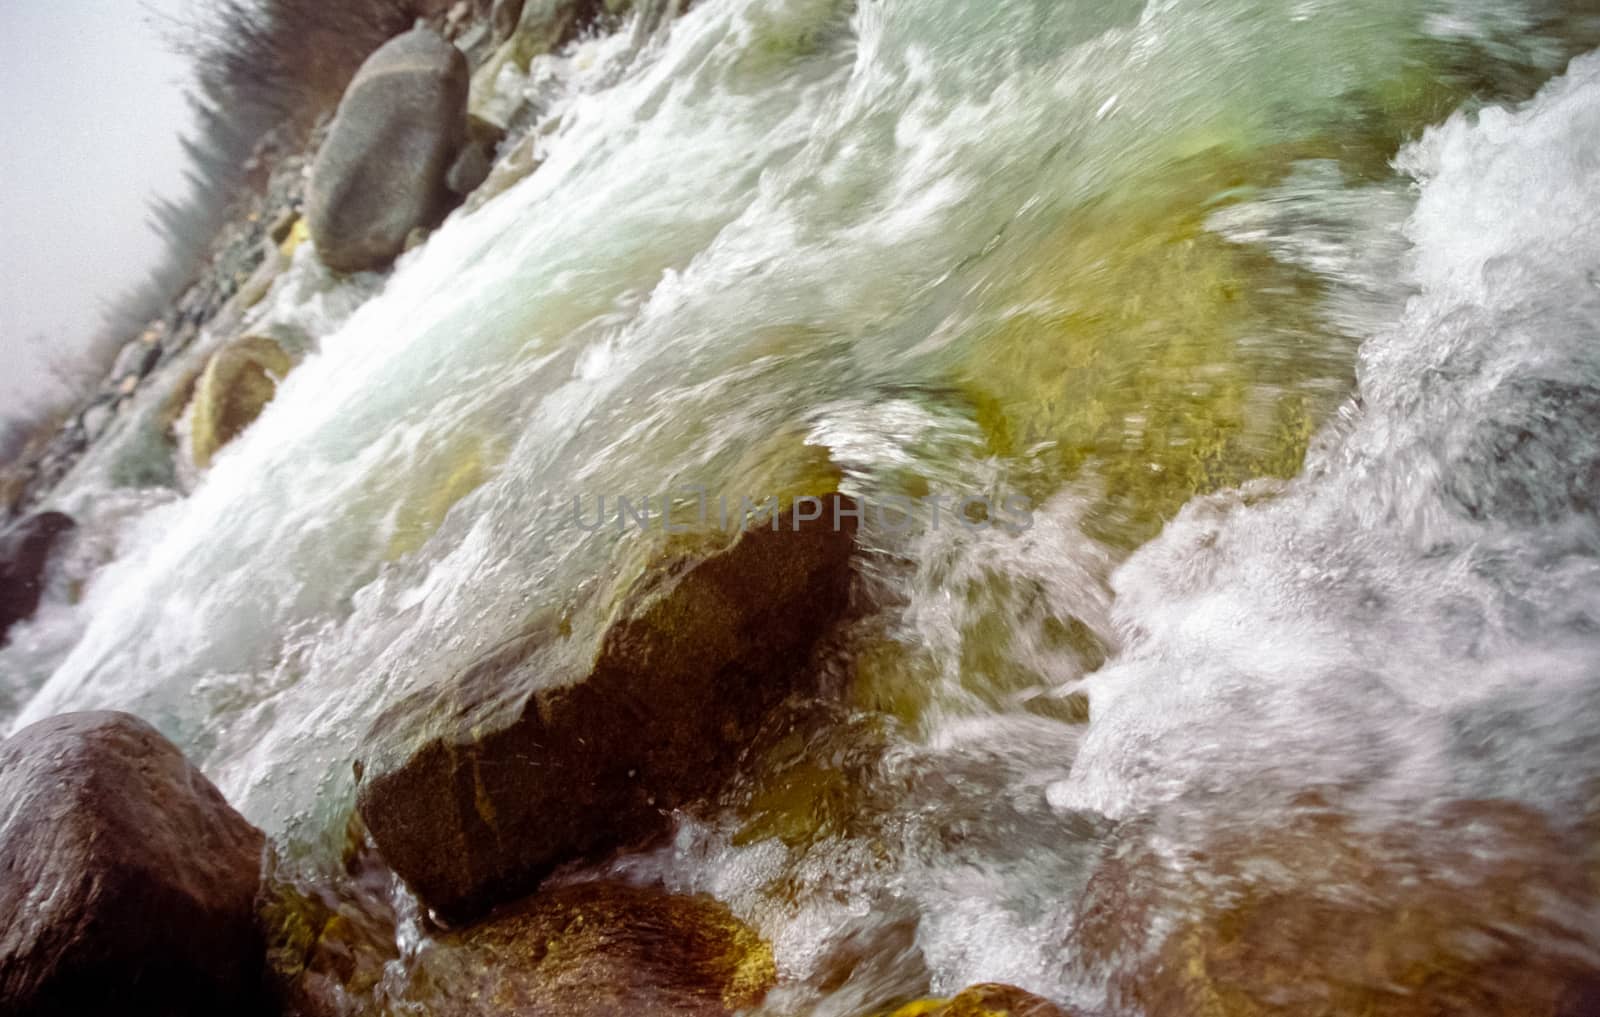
x,y
810,779
237,383
990,1000
438,483
596,950
1137,347
328,942
298,233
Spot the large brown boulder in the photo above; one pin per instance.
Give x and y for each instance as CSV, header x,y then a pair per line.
x,y
24,552
595,950
584,731
128,881
381,172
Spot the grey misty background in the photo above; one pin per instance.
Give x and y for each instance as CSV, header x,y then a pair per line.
x,y
93,105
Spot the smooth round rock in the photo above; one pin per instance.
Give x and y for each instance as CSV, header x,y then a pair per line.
x,y
381,171
126,880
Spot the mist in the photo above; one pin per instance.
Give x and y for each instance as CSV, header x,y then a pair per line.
x,y
93,108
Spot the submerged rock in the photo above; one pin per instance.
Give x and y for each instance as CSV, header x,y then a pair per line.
x,y
991,1000
1475,908
518,164
128,879
542,25
381,172
1176,317
476,158
596,950
24,552
329,939
583,732
505,17
238,382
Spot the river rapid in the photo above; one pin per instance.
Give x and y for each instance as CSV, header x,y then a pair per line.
x,y
1282,317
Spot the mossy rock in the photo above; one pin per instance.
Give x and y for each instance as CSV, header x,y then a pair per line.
x,y
595,950
236,385
540,26
1136,350
329,940
990,1000
439,480
582,732
128,879
546,24
1475,908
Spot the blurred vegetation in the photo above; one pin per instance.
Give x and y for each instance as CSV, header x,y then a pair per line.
x,y
264,73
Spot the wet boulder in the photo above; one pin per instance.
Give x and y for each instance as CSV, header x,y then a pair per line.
x,y
470,169
238,382
1476,908
381,172
24,552
128,880
583,731
595,950
254,289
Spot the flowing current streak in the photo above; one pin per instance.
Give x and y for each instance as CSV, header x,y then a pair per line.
x,y
1415,619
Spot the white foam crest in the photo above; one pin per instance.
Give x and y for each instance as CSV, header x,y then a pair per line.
x,y
1427,573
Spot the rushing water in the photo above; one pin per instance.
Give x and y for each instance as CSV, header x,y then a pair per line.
x,y
1306,401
